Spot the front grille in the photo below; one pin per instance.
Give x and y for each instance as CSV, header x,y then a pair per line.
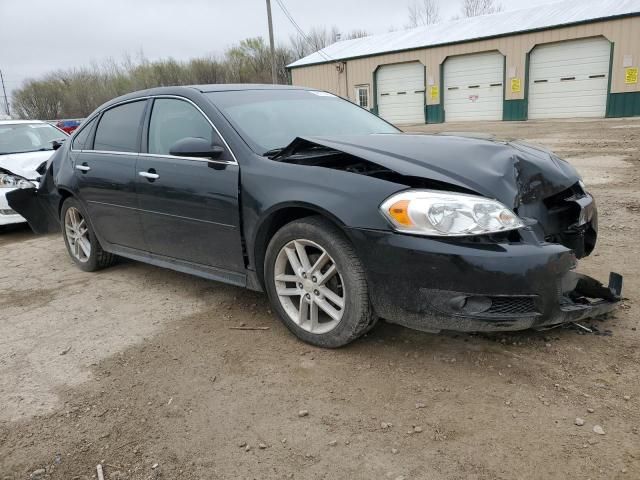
x,y
512,306
8,211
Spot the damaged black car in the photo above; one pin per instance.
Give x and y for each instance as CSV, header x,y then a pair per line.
x,y
339,216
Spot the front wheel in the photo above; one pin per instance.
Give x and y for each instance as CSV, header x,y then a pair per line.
x,y
81,241
316,283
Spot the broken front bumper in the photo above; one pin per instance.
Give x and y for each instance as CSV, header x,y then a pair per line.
x,y
468,285
7,214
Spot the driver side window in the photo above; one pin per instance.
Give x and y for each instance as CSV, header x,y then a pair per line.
x,y
173,120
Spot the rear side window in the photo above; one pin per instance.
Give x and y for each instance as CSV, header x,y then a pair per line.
x,y
118,128
173,120
81,139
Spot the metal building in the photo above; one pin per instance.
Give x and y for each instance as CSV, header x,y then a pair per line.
x,y
576,58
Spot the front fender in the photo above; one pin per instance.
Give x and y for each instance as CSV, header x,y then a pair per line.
x,y
349,199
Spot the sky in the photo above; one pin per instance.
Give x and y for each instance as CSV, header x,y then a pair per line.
x,y
39,36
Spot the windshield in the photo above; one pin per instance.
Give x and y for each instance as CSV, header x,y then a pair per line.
x,y
28,137
271,119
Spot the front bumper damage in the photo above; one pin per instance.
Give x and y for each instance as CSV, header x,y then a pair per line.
x,y
474,286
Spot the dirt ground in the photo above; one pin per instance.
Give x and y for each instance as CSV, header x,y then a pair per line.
x,y
136,368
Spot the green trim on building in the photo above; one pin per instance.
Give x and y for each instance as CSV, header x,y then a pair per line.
x,y
609,80
625,104
514,110
434,113
374,97
424,95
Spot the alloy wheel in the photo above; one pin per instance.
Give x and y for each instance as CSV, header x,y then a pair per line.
x,y
309,286
77,233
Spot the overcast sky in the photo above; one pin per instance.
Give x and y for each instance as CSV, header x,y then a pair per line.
x,y
37,36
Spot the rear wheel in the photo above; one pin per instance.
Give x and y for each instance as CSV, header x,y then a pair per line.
x,y
82,244
316,283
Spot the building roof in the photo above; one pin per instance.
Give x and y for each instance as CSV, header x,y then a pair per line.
x,y
467,29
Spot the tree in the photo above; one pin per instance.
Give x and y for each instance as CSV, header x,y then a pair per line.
x,y
474,8
356,33
423,12
315,39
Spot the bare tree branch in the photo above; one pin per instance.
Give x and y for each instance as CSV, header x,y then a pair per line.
x,y
474,8
423,12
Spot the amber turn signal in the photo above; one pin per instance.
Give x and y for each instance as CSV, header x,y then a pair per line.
x,y
399,211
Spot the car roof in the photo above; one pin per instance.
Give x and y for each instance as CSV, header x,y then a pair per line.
x,y
214,87
12,122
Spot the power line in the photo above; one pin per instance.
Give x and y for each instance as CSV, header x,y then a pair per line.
x,y
301,32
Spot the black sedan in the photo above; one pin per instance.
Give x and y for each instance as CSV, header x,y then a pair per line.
x,y
339,216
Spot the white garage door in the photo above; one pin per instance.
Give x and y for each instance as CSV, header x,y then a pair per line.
x,y
401,93
569,79
473,87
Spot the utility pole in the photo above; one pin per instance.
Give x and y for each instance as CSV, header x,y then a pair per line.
x,y
274,74
4,91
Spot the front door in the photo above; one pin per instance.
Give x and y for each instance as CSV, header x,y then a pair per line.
x,y
105,173
188,206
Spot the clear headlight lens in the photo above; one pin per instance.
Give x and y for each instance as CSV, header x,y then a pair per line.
x,y
13,181
431,212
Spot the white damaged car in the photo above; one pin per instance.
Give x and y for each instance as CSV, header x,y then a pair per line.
x,y
24,146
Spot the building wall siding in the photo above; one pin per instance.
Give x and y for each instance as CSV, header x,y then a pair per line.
x,y
623,32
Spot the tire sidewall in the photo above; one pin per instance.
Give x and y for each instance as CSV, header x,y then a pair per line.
x,y
325,235
92,263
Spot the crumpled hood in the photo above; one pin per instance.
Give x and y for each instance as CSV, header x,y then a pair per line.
x,y
24,164
513,172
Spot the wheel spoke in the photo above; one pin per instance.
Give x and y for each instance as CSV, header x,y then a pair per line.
x,y
303,310
85,246
293,259
288,292
76,249
328,309
283,277
321,262
302,255
313,316
332,296
74,218
331,271
70,231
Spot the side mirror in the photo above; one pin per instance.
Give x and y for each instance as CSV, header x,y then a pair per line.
x,y
56,144
195,147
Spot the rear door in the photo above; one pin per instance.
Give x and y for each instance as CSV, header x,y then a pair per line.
x,y
105,170
188,206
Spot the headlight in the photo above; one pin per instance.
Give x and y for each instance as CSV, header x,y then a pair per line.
x,y
431,212
13,181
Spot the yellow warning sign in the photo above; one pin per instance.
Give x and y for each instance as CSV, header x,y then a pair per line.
x,y
434,92
631,75
515,85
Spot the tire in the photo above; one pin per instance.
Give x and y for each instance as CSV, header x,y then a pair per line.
x,y
347,286
97,258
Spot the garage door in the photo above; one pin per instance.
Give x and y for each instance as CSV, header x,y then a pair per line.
x,y
473,87
569,79
401,93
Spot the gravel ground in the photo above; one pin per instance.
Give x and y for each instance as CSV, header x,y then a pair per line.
x,y
136,368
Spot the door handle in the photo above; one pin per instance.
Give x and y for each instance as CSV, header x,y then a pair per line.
x,y
151,176
84,168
